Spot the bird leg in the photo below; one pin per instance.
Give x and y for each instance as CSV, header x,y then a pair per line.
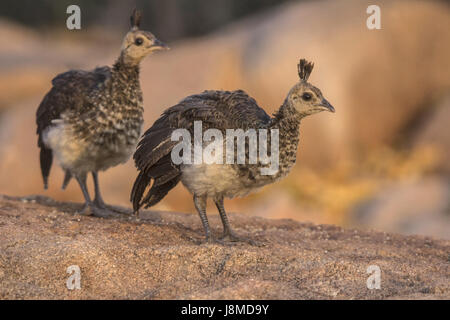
x,y
200,205
90,208
98,200
228,233
88,203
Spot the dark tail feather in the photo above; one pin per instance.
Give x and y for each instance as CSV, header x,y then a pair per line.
x,y
152,158
139,186
161,186
66,181
165,176
159,191
46,158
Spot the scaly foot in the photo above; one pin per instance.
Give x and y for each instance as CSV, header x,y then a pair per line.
x,y
230,236
94,210
119,210
98,202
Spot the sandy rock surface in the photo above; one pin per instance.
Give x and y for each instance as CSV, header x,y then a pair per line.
x,y
162,256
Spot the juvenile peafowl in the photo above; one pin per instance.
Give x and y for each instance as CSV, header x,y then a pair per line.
x,y
221,110
91,120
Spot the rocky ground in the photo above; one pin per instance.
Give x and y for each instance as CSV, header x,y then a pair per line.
x,y
162,256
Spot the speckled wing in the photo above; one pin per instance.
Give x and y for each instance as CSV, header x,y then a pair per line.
x,y
70,90
216,109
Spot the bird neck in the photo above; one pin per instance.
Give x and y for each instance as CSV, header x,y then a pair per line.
x,y
126,71
125,86
287,120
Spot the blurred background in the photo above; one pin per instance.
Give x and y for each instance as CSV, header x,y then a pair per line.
x,y
382,161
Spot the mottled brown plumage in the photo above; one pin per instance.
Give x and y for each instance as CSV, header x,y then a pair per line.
x,y
91,120
221,110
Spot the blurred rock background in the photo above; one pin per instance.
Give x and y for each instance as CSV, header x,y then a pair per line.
x,y
381,161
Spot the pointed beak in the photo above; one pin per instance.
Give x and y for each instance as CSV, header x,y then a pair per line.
x,y
159,45
327,106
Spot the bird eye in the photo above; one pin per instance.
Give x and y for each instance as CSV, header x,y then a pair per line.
x,y
139,41
306,96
